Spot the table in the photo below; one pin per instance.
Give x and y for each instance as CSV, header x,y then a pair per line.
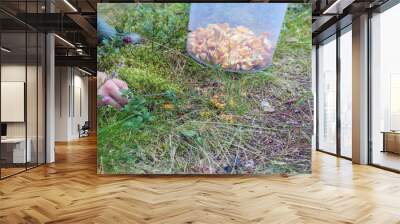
x,y
16,147
391,141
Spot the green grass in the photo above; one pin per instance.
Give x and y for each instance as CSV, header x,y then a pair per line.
x,y
187,118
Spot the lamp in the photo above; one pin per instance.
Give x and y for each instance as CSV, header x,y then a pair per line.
x,y
5,50
70,5
337,7
84,71
64,40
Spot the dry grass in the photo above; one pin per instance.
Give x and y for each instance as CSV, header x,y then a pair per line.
x,y
213,123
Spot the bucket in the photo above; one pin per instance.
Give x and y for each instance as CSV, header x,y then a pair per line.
x,y
238,37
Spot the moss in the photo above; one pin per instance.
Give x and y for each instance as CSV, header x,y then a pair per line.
x,y
146,82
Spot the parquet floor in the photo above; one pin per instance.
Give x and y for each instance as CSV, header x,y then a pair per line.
x,y
69,191
10,171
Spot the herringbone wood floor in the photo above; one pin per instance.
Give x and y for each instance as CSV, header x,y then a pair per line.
x,y
69,191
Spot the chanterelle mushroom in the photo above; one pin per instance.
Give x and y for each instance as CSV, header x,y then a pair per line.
x,y
233,48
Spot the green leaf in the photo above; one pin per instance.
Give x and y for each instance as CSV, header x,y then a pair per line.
x,y
189,133
199,140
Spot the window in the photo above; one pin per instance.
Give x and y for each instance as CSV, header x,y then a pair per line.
x,y
327,96
346,93
385,89
22,77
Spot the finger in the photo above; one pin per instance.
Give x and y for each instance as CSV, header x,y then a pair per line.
x,y
110,101
121,84
112,90
122,100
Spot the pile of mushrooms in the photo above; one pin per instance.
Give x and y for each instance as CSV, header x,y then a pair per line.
x,y
233,48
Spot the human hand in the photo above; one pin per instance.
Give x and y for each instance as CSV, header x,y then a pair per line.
x,y
110,91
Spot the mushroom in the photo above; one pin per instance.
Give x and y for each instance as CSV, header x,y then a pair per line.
x,y
233,48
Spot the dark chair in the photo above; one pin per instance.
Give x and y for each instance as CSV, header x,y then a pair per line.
x,y
84,130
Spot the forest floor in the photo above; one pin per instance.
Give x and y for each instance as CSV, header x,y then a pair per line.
x,y
185,118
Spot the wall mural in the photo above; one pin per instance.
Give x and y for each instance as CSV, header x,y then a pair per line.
x,y
216,88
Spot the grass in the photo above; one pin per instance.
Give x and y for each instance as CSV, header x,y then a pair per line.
x,y
187,118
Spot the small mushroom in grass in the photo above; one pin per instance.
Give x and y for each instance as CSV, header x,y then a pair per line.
x,y
168,106
228,118
217,102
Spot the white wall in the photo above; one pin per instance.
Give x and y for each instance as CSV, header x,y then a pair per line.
x,y
62,82
17,72
80,100
70,83
14,72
